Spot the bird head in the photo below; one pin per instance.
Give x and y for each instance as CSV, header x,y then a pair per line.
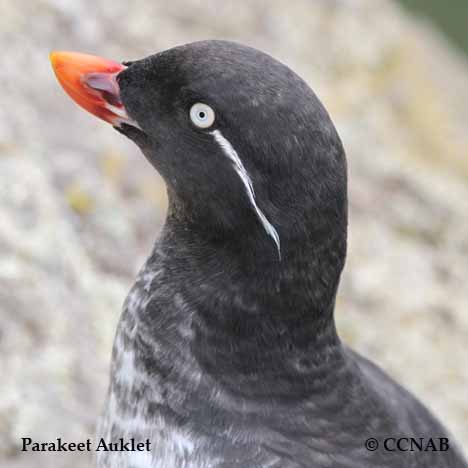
x,y
245,147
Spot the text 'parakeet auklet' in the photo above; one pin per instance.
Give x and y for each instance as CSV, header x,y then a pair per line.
x,y
226,354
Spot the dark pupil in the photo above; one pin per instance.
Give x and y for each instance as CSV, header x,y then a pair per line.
x,y
201,115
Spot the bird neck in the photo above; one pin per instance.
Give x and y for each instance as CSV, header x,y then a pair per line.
x,y
251,314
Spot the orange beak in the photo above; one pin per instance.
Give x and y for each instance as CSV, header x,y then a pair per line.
x,y
91,82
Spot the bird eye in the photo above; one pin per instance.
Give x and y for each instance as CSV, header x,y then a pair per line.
x,y
202,115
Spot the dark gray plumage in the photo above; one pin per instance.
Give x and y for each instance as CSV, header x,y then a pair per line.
x,y
227,354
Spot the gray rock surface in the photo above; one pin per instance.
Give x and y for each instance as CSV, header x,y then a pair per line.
x,y
80,208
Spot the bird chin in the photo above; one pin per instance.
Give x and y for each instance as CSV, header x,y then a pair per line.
x,y
123,119
132,131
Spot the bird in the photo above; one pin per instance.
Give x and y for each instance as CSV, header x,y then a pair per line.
x,y
226,353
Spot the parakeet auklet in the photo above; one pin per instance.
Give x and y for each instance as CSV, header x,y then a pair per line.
x,y
226,354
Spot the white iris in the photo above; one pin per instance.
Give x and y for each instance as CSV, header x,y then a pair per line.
x,y
202,115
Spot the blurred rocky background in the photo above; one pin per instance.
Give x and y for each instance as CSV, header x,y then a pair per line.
x,y
80,208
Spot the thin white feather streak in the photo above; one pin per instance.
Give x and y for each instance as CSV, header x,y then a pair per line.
x,y
231,153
